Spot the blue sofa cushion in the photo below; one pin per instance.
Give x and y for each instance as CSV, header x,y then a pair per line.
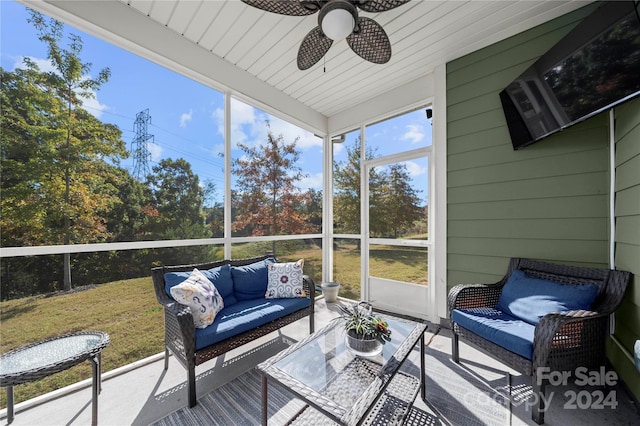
x,y
530,298
250,281
220,277
498,327
246,315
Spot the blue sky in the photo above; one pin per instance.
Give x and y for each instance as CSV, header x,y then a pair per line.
x,y
186,117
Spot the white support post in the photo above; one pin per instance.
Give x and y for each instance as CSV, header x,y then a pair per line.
x,y
327,211
227,176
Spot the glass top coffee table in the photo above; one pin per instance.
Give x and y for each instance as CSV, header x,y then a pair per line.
x,y
346,388
41,359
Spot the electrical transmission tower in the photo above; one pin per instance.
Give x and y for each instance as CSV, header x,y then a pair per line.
x,y
139,147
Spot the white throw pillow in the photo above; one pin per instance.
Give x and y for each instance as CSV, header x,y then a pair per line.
x,y
201,296
285,280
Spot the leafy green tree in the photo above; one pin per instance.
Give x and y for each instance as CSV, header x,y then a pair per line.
x,y
266,199
400,203
129,217
313,208
74,134
346,192
215,220
178,200
394,205
56,179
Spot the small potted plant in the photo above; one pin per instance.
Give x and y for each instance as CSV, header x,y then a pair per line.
x,y
366,333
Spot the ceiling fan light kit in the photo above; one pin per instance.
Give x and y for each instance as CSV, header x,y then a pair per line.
x,y
338,19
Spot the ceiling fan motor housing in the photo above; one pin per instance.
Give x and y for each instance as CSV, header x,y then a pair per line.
x,y
336,25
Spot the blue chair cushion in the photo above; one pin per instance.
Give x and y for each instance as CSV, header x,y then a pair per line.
x,y
250,281
246,315
220,277
498,327
530,298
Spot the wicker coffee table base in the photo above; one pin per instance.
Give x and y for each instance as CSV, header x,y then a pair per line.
x,y
391,408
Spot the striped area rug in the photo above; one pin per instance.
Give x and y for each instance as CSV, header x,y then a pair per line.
x,y
457,394
238,402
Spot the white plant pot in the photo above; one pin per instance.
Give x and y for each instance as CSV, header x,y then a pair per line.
x,y
330,292
363,347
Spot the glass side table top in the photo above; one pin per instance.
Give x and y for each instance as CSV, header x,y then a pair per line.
x,y
326,374
42,358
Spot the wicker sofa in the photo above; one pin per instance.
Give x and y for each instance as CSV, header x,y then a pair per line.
x,y
559,340
247,315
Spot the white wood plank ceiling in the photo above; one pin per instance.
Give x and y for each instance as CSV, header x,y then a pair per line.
x,y
263,45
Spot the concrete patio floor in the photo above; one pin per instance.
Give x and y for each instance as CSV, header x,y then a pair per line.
x,y
143,392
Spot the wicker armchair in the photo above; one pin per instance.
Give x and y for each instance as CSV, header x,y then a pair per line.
x,y
180,329
562,341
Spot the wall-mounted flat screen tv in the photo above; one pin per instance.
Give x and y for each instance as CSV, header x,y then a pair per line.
x,y
593,68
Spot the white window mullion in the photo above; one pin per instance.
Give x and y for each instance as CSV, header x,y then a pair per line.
x,y
227,176
364,217
327,211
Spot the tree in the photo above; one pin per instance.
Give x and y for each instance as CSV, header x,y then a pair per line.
x,y
178,211
400,204
70,82
313,208
393,202
346,201
267,200
42,150
178,199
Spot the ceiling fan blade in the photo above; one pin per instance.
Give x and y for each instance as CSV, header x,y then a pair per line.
x,y
314,46
286,7
380,5
370,42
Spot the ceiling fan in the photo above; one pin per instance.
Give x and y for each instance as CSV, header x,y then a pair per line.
x,y
338,19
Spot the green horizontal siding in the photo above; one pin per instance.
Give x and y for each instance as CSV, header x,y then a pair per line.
x,y
627,256
547,201
530,229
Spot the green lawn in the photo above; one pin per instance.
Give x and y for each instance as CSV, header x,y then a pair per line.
x,y
128,310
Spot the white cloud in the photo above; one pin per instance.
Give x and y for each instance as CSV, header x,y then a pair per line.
x,y
185,118
155,150
43,64
312,181
414,133
218,118
415,169
93,105
338,149
218,150
290,132
249,126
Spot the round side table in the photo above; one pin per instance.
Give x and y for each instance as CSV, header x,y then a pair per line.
x,y
41,359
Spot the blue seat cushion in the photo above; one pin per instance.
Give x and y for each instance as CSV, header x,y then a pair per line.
x,y
498,327
250,281
530,298
246,315
220,276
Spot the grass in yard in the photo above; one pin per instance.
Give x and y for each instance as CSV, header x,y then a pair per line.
x,y
127,310
391,262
